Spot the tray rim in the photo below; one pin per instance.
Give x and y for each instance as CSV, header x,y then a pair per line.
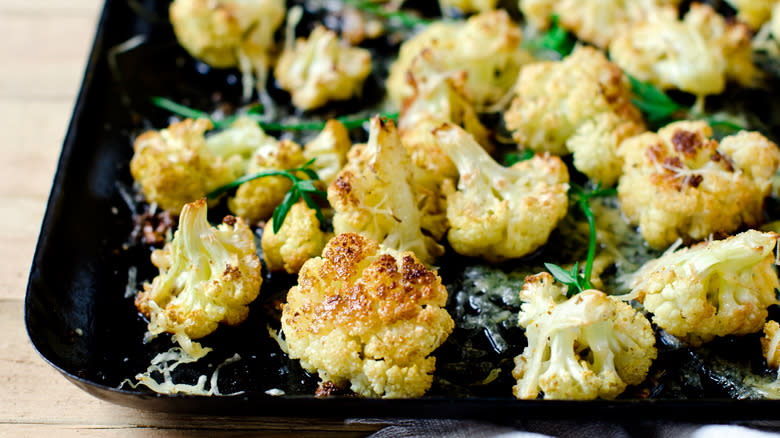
x,y
254,404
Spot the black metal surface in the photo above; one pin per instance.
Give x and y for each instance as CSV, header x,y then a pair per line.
x,y
81,322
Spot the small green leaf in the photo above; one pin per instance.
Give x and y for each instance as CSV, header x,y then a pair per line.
x,y
654,103
561,274
407,20
281,210
512,158
558,39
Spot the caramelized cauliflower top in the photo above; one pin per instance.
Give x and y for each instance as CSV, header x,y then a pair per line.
x,y
584,347
500,213
207,276
367,316
680,183
374,195
716,288
299,239
487,46
697,54
175,166
581,104
594,21
320,69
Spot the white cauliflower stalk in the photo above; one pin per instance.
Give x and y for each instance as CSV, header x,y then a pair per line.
x,y
487,46
374,195
680,183
581,348
320,69
594,21
580,105
716,288
698,54
367,317
500,213
299,239
207,276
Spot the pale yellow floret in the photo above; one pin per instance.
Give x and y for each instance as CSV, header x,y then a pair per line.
x,y
770,344
579,105
329,151
321,69
680,183
299,239
367,317
753,12
500,213
487,46
698,54
716,288
207,276
175,166
229,33
375,195
593,21
255,200
581,348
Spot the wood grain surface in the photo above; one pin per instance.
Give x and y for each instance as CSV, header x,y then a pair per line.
x,y
43,51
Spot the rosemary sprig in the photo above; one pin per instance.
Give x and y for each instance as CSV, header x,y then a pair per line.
x,y
301,189
558,39
404,18
255,114
576,281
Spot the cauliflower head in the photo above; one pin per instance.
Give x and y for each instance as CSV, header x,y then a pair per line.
x,y
374,195
175,166
585,347
579,105
500,213
487,46
697,54
255,200
207,276
320,69
228,33
680,183
594,21
770,344
716,288
330,150
468,6
299,239
367,316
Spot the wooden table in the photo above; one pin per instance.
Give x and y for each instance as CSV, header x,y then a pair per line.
x,y
42,56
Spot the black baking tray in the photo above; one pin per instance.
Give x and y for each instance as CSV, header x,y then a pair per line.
x,y
81,321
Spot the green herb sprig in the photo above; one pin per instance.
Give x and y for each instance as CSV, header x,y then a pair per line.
x,y
515,157
558,39
404,18
301,189
255,114
576,281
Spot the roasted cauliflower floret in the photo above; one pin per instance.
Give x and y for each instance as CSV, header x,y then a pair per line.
x,y
299,239
697,54
255,200
374,195
320,69
468,6
716,288
487,46
581,104
594,21
753,12
367,316
175,166
229,33
585,347
680,183
207,276
329,149
770,344
500,213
